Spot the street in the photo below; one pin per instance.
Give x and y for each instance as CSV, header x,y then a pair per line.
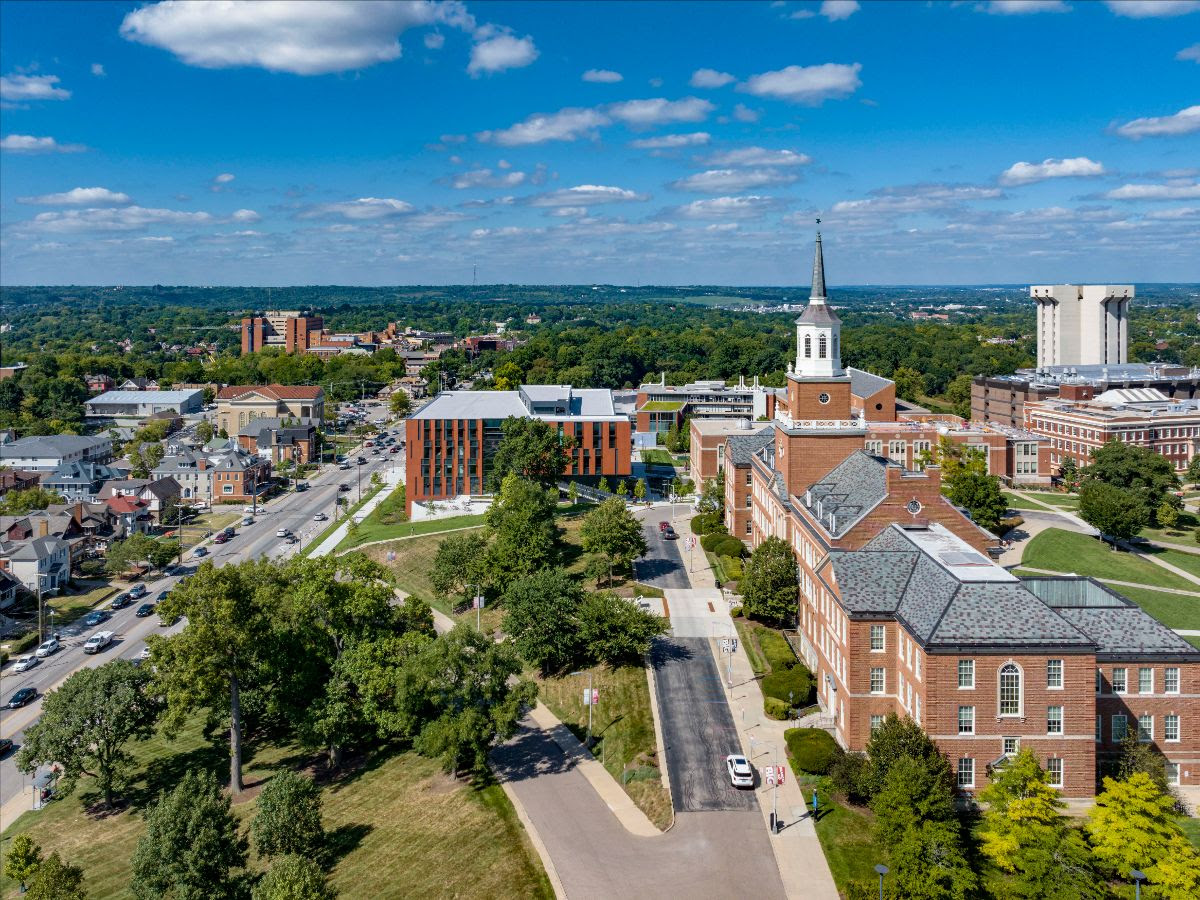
x,y
292,510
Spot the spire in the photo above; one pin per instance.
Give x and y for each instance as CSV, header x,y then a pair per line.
x,y
818,279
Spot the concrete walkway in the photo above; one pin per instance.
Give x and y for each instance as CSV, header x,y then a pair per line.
x,y
1182,548
390,481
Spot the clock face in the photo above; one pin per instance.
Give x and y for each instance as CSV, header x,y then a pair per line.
x,y
824,398
913,506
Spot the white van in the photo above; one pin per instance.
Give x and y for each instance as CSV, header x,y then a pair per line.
x,y
98,642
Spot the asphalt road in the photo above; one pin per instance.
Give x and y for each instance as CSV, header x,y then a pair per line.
x,y
663,564
293,511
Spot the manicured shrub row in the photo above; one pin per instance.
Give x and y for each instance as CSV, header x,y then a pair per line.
x,y
775,709
797,681
812,750
776,650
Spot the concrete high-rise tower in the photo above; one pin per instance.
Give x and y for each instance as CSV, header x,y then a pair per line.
x,y
1082,324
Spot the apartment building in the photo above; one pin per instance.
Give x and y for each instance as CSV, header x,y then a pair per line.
x,y
1082,324
237,406
291,330
450,442
47,452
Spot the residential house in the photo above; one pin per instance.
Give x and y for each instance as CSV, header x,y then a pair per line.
x,y
46,453
280,439
240,476
99,383
9,585
237,406
80,480
17,480
40,564
138,383
191,470
157,493
133,514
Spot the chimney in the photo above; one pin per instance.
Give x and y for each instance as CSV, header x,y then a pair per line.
x,y
42,526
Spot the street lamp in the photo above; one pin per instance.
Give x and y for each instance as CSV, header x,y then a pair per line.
x,y
1138,877
882,870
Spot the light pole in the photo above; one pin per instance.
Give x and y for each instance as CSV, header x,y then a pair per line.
x,y
591,701
774,791
1138,877
882,870
41,607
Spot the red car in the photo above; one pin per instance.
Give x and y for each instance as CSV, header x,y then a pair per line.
x,y
663,526
221,538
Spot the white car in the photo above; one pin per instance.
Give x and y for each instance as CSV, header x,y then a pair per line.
x,y
282,533
98,642
741,773
247,520
145,654
320,517
25,663
47,647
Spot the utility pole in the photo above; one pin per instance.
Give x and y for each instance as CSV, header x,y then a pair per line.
x,y
774,791
591,703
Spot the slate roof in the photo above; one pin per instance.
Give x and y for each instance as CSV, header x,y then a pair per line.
x,y
1127,631
851,490
272,391
52,445
741,447
866,384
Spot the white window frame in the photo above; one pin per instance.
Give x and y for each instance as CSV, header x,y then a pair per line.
x,y
966,766
1050,720
1172,773
1123,681
882,673
1054,672
879,631
1119,734
1168,720
1143,672
1020,691
970,674
876,723
966,717
1016,746
1145,735
1171,674
1054,771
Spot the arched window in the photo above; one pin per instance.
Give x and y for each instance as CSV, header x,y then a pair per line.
x,y
808,346
835,346
821,346
1010,690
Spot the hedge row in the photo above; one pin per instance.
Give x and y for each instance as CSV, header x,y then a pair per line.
x,y
776,650
796,681
812,750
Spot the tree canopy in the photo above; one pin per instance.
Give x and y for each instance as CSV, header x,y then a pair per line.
x,y
615,533
532,449
1116,512
768,584
524,537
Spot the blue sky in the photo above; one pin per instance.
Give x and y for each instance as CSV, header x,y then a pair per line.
x,y
673,143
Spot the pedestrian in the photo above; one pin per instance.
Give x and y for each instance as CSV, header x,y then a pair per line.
x,y
814,803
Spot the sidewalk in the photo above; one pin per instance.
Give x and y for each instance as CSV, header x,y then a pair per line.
x,y
390,481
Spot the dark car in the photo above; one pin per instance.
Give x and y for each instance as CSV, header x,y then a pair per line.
x,y
5,746
21,697
121,601
669,533
146,609
301,486
362,460
344,488
229,531
221,538
95,618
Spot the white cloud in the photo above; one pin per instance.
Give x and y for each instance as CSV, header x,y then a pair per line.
x,y
435,40
717,181
1183,122
500,51
602,76
364,208
757,156
836,10
31,87
743,113
803,14
1152,9
125,218
98,70
670,141
569,212
245,216
286,35
485,178
710,78
1179,212
916,198
93,196
748,207
1025,7
659,111
1173,191
810,85
565,125
27,143
1028,173
1189,53
585,195
224,178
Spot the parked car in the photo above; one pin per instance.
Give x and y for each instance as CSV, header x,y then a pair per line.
x,y
741,773
344,488
96,618
137,592
301,486
282,532
146,609
47,647
393,450
98,642
320,517
362,460
291,539
121,601
6,746
663,526
200,552
343,466
249,509
229,531
145,654
221,538
25,663
669,533
247,520
21,697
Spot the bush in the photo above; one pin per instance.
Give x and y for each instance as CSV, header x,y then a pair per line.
x,y
729,546
709,541
775,709
776,650
869,890
1008,523
797,681
848,774
811,750
735,612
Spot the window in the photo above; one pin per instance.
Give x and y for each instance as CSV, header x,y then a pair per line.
x,y
1054,771
227,488
876,723
1054,673
1172,773
1145,681
1010,690
876,638
808,346
1099,727
1012,746
1171,680
1099,682
966,720
877,682
1054,720
966,772
1118,681
966,673
822,347
1171,727
1120,727
1145,727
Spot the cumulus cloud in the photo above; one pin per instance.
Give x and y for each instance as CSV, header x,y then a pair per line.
x,y
486,178
565,125
93,196
362,209
1170,191
98,70
245,216
1141,9
1028,173
1026,7
286,35
31,87
602,76
757,156
499,50
672,141
719,181
809,85
659,111
916,198
435,40
743,113
126,218
1183,122
27,143
836,10
1191,53
747,207
710,78
585,195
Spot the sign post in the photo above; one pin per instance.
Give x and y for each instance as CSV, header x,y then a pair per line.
x,y
478,604
590,699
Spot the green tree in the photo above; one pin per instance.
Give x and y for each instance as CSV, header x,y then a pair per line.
x,y
712,496
1147,475
914,791
894,739
910,384
162,553
1114,512
1141,756
980,495
87,722
615,533
639,489
541,617
204,432
622,488
288,817
532,449
293,878
190,845
572,493
958,395
126,554
1069,473
956,460
23,858
19,503
400,404
521,526
929,863
1193,469
603,484
460,564
1167,515
614,631
226,647
768,582
56,880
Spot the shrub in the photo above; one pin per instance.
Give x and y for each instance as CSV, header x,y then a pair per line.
x,y
777,650
811,750
1008,523
709,541
708,523
869,890
848,774
775,709
797,681
729,546
735,612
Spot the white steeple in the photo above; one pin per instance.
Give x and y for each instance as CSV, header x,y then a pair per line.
x,y
818,330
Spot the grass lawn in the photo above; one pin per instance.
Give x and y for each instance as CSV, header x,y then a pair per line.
x,y
622,730
1180,559
1194,640
397,826
215,520
1068,551
847,835
1173,610
370,531
1054,498
1182,533
69,607
658,456
371,491
1016,501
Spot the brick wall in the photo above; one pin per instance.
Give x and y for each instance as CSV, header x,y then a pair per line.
x,y
1133,703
